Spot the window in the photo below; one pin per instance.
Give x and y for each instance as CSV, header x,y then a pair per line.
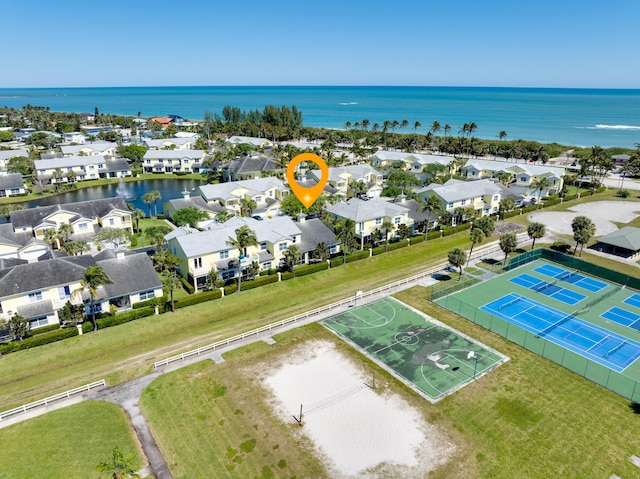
x,y
37,296
15,191
64,292
100,165
197,262
282,246
70,169
39,321
361,227
463,202
83,226
397,220
378,221
450,205
224,254
263,246
112,222
91,167
185,161
227,275
150,294
258,199
523,179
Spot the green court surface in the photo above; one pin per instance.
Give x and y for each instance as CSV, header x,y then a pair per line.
x,y
431,358
594,313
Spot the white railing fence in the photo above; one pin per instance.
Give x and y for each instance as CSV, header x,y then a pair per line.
x,y
48,400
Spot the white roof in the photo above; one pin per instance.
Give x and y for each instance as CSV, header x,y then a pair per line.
x,y
226,190
68,162
360,210
411,157
6,154
215,238
251,140
456,190
356,172
167,141
174,154
99,146
530,169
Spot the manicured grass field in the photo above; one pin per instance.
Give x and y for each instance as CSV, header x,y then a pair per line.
x,y
70,442
128,351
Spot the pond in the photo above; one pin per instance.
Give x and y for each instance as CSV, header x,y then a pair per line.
x,y
132,192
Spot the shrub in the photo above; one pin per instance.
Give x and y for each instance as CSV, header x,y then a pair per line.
x,y
188,287
311,268
149,302
198,298
180,173
38,340
561,246
122,318
357,256
398,245
377,250
434,235
260,281
45,329
511,214
337,261
570,197
623,193
551,203
417,239
528,209
286,275
231,288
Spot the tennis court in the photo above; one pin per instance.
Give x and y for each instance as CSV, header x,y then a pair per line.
x,y
430,357
597,337
633,300
598,344
572,277
548,289
622,316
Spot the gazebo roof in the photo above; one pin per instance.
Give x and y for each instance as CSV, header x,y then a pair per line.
x,y
627,238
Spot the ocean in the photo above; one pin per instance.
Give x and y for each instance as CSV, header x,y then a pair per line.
x,y
579,117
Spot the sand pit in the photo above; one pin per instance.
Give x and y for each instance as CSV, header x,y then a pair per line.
x,y
356,431
602,213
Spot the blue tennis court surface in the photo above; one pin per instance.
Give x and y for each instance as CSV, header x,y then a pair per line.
x,y
571,277
598,344
548,289
622,316
633,300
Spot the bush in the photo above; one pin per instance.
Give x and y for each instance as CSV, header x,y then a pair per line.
x,y
357,256
398,245
528,209
231,288
511,214
623,194
198,298
551,203
149,303
377,250
561,246
260,281
188,287
39,340
337,261
180,173
570,197
306,269
434,235
45,329
122,318
417,239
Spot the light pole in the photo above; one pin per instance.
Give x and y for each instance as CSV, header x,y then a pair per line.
x,y
472,355
355,299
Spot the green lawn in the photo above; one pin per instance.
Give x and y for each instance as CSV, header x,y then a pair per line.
x,y
144,224
66,443
128,351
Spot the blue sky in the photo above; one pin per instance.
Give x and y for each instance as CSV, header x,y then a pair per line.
x,y
539,43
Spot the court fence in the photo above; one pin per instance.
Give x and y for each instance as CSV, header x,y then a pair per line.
x,y
619,383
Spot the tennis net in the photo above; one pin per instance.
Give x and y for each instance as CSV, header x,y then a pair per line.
x,y
568,275
614,349
555,325
510,303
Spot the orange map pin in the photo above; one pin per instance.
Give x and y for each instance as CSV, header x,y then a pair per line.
x,y
307,196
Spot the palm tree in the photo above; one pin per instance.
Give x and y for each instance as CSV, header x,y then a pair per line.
x,y
93,278
416,125
51,237
404,124
476,235
291,256
535,231
539,186
248,205
223,216
387,226
244,238
119,467
432,205
583,230
508,243
502,135
171,284
147,199
436,127
155,196
345,233
457,259
65,230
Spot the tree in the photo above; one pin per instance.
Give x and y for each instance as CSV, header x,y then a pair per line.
x,y
137,214
65,230
433,206
155,197
19,326
506,204
502,135
484,224
508,244
539,186
403,232
189,216
244,238
21,164
156,234
119,467
93,278
476,235
535,231
147,199
583,230
388,227
116,237
213,279
290,257
457,258
171,284
71,314
51,237
321,252
247,205
224,215
345,233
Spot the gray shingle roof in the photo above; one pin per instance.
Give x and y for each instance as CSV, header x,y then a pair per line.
x,y
454,190
314,232
6,154
33,310
360,210
174,154
43,274
131,274
251,165
88,209
627,238
13,180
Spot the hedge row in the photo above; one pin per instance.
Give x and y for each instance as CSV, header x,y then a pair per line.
x,y
122,318
148,302
196,299
306,269
256,283
337,261
39,340
398,245
188,287
357,256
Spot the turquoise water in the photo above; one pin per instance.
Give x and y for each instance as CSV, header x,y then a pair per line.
x,y
581,117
